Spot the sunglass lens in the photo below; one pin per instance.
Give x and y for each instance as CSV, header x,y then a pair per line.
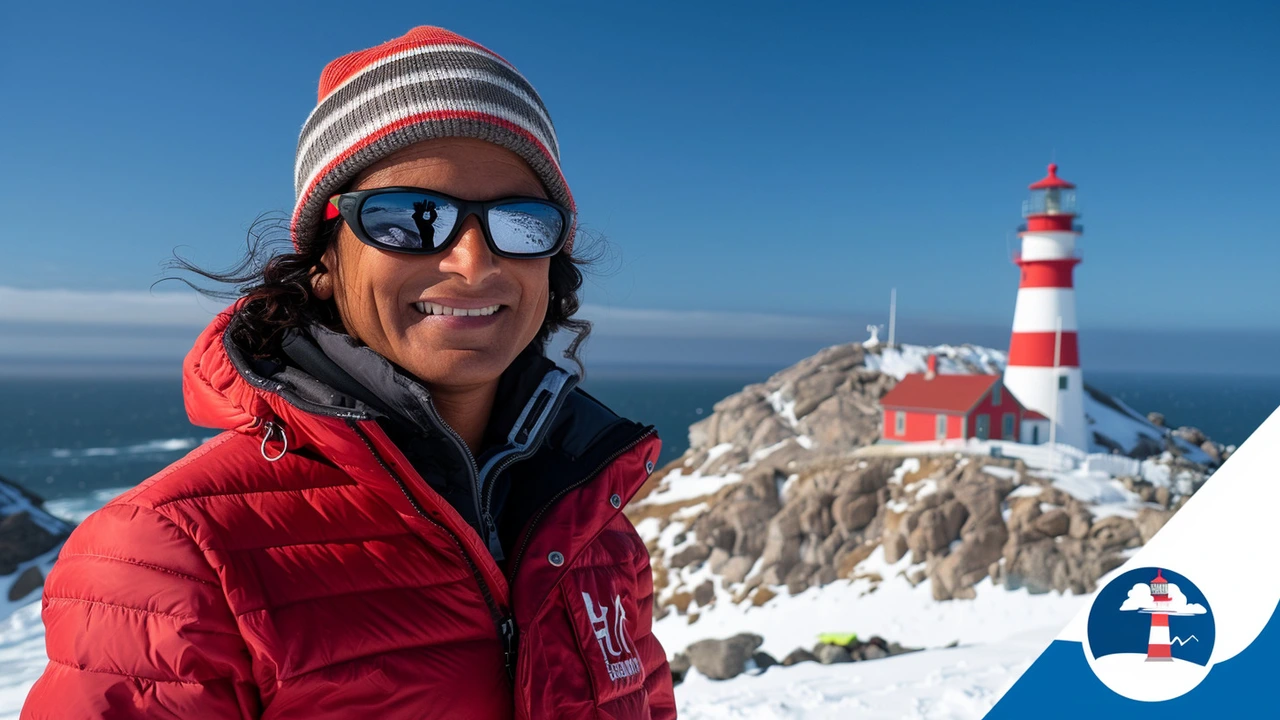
x,y
409,221
525,228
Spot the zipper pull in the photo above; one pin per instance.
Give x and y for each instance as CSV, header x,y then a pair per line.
x,y
495,545
508,630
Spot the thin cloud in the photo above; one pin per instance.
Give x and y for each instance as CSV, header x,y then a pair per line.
x,y
189,309
92,307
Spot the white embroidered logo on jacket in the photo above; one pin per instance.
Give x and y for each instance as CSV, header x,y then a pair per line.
x,y
619,659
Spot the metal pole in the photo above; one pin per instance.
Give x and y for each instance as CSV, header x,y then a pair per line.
x,y
1053,416
893,313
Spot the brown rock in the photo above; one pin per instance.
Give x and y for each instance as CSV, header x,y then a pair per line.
x,y
691,555
933,533
814,389
848,558
830,654
21,539
705,593
797,580
1032,566
771,431
798,655
1079,527
717,559
1150,521
854,512
895,548
29,581
735,569
723,659
1053,523
1163,497
1114,532
1022,513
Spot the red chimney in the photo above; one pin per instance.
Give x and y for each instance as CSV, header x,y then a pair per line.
x,y
933,367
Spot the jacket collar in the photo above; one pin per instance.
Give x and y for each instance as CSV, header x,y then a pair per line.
x,y
224,387
529,390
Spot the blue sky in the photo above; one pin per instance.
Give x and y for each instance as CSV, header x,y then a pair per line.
x,y
788,159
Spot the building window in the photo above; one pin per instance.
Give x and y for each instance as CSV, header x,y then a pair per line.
x,y
942,426
899,423
1006,426
982,428
996,395
1035,434
1062,382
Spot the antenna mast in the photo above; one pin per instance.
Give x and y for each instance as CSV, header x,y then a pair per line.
x,y
893,313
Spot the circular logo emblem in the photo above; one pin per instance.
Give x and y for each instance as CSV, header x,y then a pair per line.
x,y
1150,635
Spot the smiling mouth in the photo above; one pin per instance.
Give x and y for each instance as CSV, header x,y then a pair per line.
x,y
429,308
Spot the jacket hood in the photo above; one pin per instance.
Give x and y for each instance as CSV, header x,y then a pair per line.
x,y
214,392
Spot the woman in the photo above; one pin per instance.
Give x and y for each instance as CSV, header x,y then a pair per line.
x,y
413,512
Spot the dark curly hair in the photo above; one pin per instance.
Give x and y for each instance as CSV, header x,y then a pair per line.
x,y
276,286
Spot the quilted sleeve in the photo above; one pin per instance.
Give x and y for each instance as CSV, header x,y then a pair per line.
x,y
137,626
657,672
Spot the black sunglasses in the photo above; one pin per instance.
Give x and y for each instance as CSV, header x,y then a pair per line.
x,y
423,222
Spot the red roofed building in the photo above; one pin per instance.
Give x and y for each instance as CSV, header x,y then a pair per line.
x,y
927,407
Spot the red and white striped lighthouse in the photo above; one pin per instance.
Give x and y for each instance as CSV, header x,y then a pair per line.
x,y
1159,646
1043,370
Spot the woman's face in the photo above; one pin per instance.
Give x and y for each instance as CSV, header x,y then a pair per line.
x,y
379,293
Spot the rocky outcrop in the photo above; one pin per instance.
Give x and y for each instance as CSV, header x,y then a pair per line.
x,y
801,501
29,540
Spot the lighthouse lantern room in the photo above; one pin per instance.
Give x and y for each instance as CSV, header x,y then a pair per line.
x,y
1043,368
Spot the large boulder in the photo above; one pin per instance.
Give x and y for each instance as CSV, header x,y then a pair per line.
x,y
723,659
798,655
828,654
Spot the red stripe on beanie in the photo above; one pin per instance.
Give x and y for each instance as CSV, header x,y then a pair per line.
x,y
340,70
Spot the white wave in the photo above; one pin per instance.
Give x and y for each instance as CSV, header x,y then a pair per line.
x,y
151,447
76,509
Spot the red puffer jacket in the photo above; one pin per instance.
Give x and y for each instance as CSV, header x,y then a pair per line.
x,y
334,582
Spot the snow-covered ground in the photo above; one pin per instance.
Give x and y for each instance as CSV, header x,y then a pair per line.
x,y
960,683
22,657
999,635
893,609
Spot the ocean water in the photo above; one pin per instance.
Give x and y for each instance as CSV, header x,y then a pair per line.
x,y
66,437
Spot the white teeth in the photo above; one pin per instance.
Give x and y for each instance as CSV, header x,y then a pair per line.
x,y
430,308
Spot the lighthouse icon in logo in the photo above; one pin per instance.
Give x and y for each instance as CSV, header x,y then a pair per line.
x,y
1159,646
1150,635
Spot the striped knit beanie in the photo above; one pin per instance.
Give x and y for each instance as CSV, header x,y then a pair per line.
x,y
428,83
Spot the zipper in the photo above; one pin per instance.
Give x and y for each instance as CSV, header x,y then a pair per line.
x,y
515,564
491,479
487,529
503,621
509,641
